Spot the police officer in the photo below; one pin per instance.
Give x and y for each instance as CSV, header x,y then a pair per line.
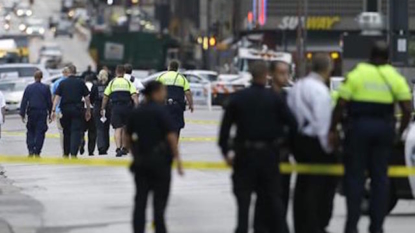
x,y
37,104
122,94
153,140
178,89
102,124
368,94
259,115
70,94
90,124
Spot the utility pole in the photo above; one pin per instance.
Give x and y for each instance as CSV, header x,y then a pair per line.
x,y
302,14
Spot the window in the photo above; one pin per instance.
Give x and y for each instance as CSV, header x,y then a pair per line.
x,y
20,72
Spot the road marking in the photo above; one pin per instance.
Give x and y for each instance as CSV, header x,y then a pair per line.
x,y
311,169
56,136
202,122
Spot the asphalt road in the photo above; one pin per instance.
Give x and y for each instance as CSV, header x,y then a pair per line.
x,y
78,199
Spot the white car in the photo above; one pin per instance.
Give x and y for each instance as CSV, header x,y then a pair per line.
x,y
21,71
35,27
13,93
52,51
209,75
23,10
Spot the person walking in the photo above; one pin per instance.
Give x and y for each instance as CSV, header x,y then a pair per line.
x,y
129,76
152,139
102,123
37,105
123,96
65,74
310,101
178,89
369,95
90,128
259,115
70,94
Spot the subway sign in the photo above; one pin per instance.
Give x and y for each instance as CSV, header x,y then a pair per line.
x,y
313,22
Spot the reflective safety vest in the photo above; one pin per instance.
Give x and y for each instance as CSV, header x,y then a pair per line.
x,y
176,85
119,90
372,90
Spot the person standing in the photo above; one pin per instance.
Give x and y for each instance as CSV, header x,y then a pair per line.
x,y
122,94
259,115
369,95
70,94
37,104
88,72
90,128
310,101
2,111
65,74
178,89
102,124
152,140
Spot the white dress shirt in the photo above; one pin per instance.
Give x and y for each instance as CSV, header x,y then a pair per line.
x,y
138,85
310,101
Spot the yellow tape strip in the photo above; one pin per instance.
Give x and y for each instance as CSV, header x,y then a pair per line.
x,y
286,168
56,136
202,122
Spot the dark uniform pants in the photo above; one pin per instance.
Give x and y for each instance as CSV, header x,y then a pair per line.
x,y
369,144
257,171
102,130
72,122
36,129
151,176
91,130
119,114
314,194
176,111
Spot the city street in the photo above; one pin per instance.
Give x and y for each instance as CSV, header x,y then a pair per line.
x,y
78,199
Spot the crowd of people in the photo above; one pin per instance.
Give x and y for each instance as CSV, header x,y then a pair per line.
x,y
272,125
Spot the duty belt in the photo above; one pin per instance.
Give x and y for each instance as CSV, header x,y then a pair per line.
x,y
258,145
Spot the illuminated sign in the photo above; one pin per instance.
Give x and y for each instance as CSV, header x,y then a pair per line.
x,y
259,12
313,22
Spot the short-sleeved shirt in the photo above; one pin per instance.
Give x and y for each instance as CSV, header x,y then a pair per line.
x,y
120,90
173,78
72,91
54,88
2,105
149,126
372,90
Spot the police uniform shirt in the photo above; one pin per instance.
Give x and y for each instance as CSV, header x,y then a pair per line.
x,y
37,96
72,91
372,90
149,125
309,100
120,90
259,115
173,78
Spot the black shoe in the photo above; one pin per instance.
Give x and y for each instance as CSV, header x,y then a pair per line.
x,y
82,150
124,151
119,153
91,154
31,155
102,153
37,156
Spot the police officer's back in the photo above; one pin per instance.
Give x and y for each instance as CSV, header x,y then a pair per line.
x,y
37,104
369,93
178,89
153,142
70,95
259,116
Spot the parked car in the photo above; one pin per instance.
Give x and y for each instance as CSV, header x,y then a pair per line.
x,y
64,28
20,71
52,51
13,93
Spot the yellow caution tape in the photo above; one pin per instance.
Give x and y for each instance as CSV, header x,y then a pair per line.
x,y
56,136
286,168
202,122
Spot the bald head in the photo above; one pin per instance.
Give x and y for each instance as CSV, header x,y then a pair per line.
x,y
38,76
379,55
259,72
322,65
